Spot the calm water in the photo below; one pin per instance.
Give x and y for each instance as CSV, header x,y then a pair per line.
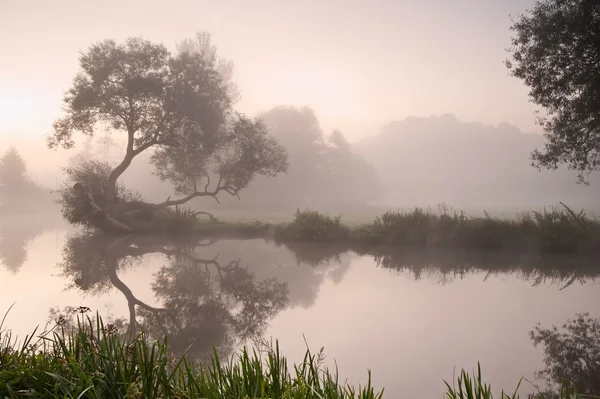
x,y
412,318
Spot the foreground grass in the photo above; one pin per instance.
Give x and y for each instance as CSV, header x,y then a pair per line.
x,y
472,386
92,360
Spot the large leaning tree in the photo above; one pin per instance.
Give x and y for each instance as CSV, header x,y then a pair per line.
x,y
177,105
556,52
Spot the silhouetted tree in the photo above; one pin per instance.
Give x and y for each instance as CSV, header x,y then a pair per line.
x,y
556,52
17,192
13,179
13,168
176,104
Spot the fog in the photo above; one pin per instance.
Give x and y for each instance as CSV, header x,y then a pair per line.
x,y
418,91
350,107
360,64
411,162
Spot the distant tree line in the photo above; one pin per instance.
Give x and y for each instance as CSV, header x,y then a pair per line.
x,y
18,193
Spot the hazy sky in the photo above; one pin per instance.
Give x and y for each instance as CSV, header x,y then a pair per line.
x,y
360,64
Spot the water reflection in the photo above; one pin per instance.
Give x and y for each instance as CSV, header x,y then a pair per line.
x,y
448,265
15,236
223,292
204,302
571,353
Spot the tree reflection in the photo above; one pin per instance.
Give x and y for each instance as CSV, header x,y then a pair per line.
x,y
15,236
13,252
571,354
203,302
449,265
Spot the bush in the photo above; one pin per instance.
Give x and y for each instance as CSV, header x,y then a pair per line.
x,y
75,209
314,225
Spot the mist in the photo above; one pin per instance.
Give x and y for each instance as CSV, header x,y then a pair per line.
x,y
402,183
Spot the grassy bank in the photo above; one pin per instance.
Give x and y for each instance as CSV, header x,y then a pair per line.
x,y
554,231
558,230
93,360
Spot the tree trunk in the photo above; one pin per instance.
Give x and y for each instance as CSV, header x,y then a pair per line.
x,y
111,188
101,218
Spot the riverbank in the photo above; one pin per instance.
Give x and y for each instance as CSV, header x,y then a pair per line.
x,y
554,231
94,360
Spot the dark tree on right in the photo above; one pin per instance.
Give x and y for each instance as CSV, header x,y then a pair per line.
x,y
556,53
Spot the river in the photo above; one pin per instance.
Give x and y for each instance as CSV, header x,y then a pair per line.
x,y
413,317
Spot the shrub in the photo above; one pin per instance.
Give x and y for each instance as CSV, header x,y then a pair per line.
x,y
314,225
75,209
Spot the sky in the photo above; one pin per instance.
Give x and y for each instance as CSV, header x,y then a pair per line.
x,y
359,63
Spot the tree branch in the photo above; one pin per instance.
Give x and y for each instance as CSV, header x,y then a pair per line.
x,y
230,190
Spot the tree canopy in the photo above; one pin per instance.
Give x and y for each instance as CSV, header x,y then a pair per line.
x,y
179,104
556,53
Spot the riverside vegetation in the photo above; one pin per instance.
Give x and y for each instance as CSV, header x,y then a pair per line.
x,y
559,230
90,359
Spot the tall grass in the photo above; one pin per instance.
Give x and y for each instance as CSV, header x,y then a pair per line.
x,y
552,231
472,386
94,361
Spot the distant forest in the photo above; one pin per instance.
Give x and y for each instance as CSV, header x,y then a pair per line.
x,y
417,161
18,192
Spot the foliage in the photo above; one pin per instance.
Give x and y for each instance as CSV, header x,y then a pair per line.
x,y
95,361
179,105
314,225
572,353
243,150
91,359
469,386
556,52
95,174
550,231
202,44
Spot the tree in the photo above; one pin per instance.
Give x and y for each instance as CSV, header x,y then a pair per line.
x,y
13,169
556,52
323,169
13,177
18,193
202,44
177,105
76,210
